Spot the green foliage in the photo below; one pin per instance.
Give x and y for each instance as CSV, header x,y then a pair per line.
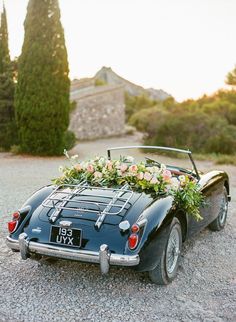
x,y
226,159
134,104
100,82
69,140
206,125
139,176
145,119
231,77
15,149
223,142
42,93
8,132
190,199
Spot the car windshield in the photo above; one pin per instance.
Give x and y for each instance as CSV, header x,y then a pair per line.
x,y
174,159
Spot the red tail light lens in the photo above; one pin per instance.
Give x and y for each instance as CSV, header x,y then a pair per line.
x,y
133,241
11,226
135,228
16,216
13,223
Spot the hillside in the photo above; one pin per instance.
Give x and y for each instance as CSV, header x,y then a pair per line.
x,y
109,76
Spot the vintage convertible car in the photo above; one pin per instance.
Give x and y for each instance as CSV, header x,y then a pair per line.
x,y
117,225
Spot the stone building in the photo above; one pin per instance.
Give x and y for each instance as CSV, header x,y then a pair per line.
x,y
99,110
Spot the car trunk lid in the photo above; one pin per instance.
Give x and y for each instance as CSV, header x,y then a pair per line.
x,y
92,205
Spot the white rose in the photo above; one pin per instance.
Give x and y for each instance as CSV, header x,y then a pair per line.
x,y
129,159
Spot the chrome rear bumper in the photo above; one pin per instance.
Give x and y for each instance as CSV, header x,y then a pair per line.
x,y
104,257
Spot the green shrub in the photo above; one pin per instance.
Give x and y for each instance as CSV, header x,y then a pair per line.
x,y
223,142
69,140
197,131
15,149
145,120
226,159
134,104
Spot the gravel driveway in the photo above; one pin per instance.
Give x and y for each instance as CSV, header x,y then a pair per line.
x,y
205,289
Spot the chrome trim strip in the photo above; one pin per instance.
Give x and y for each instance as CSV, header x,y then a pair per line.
x,y
74,254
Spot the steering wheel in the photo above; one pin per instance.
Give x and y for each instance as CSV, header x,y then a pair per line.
x,y
158,164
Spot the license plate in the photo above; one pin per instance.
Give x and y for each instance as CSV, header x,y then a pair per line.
x,y
66,236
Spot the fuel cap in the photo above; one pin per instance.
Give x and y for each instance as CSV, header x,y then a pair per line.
x,y
124,225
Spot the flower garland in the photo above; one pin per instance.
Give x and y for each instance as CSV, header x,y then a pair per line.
x,y
150,179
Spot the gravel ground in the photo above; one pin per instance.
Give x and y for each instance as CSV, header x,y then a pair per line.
x,y
204,290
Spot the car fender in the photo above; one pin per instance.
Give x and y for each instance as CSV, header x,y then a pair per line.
x,y
158,217
29,207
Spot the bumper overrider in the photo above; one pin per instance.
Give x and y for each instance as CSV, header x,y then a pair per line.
x,y
104,257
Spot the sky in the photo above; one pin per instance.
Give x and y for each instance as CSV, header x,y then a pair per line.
x,y
185,47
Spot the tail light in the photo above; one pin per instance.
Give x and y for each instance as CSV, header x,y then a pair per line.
x,y
135,228
133,241
134,237
16,216
13,223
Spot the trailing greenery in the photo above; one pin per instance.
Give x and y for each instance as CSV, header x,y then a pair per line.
x,y
8,132
139,176
42,94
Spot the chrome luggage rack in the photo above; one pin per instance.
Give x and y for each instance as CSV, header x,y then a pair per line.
x,y
113,204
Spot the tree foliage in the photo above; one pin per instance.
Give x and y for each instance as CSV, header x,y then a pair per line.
x,y
42,94
134,104
206,125
231,77
7,115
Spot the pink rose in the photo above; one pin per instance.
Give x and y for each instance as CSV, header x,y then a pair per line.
x,y
123,167
133,168
97,174
78,167
147,176
167,175
90,168
109,165
154,180
140,176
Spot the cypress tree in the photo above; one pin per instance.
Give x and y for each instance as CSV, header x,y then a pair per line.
x,y
7,115
42,93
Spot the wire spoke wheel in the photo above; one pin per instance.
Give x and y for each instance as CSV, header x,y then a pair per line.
x,y
167,264
219,223
223,209
173,250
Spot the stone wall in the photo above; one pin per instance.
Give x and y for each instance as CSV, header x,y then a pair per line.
x,y
99,112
